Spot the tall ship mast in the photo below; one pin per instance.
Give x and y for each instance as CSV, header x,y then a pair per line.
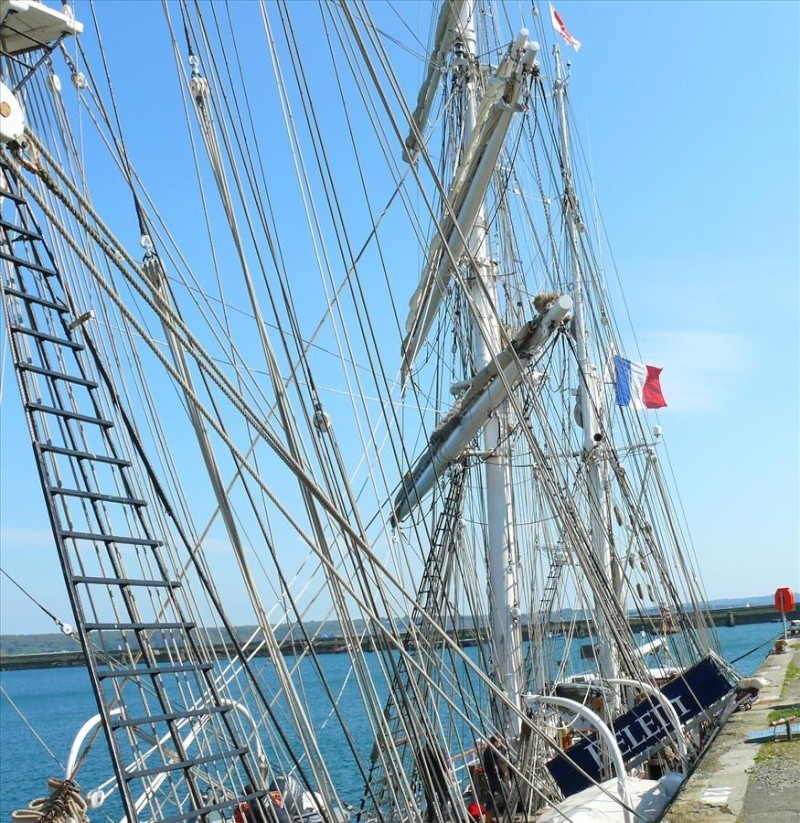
x,y
589,404
478,271
314,580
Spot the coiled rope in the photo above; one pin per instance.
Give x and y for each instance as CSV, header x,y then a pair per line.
x,y
64,805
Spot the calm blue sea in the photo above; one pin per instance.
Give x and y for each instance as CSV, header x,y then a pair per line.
x,y
56,702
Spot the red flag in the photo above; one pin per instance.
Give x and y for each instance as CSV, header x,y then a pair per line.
x,y
560,27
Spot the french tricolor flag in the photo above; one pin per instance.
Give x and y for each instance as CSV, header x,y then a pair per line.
x,y
638,385
561,27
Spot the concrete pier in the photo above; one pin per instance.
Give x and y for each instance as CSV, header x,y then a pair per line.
x,y
741,782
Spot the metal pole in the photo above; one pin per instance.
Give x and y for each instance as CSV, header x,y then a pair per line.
x,y
604,732
501,547
589,399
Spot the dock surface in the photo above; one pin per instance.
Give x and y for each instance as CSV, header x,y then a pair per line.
x,y
746,776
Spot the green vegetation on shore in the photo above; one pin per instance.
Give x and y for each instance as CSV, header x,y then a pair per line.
x,y
781,749
788,749
792,673
14,644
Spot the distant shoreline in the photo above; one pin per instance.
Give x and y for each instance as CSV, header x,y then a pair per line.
x,y
737,616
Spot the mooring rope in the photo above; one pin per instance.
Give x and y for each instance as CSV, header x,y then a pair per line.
x,y
64,804
760,646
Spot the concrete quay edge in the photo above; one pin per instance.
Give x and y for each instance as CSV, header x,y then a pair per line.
x,y
728,785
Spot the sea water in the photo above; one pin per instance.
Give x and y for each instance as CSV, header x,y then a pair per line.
x,y
41,711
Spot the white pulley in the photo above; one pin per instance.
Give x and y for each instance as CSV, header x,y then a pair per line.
x,y
12,117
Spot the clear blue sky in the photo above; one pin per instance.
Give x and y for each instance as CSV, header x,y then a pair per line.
x,y
690,113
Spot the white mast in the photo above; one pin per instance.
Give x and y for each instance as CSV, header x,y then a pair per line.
x,y
501,543
590,404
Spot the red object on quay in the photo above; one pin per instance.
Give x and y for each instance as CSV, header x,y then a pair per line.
x,y
784,600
